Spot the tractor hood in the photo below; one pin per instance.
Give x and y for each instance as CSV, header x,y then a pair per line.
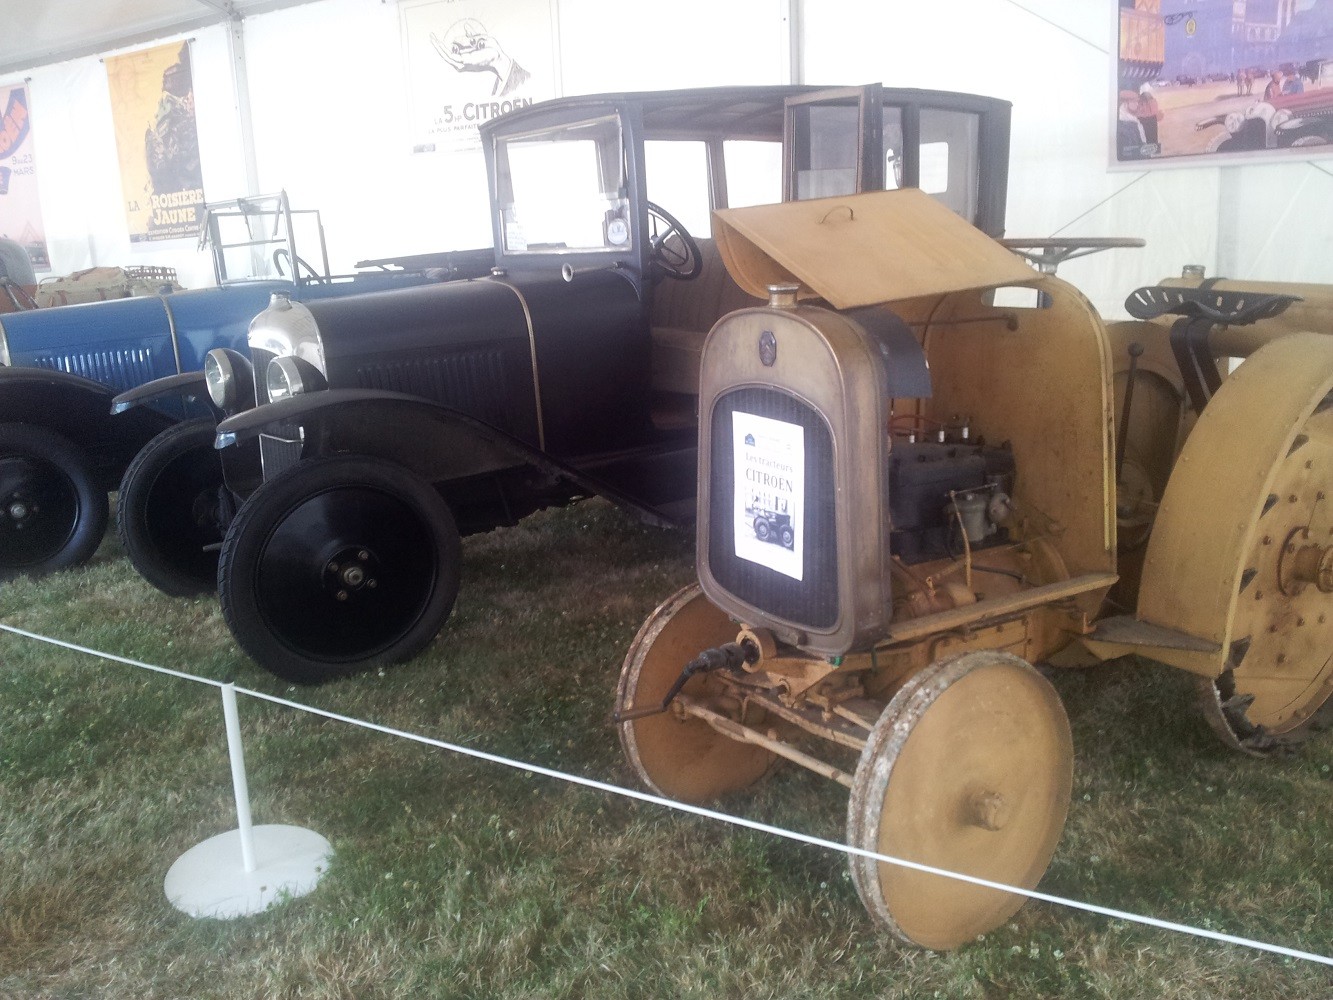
x,y
863,249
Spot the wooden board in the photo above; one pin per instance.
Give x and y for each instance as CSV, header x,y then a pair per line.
x,y
864,249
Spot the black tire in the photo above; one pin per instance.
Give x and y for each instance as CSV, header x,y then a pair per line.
x,y
788,536
172,513
339,565
53,511
762,529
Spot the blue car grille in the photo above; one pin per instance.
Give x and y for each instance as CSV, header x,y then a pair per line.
x,y
121,369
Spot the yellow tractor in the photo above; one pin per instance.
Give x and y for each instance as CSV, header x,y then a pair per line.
x,y
956,509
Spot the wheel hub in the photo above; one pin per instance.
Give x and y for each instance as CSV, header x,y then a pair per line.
x,y
1303,562
19,511
352,571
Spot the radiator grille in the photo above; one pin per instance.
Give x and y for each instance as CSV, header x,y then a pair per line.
x,y
471,381
279,454
121,369
811,601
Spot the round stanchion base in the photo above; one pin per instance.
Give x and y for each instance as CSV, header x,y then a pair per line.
x,y
210,880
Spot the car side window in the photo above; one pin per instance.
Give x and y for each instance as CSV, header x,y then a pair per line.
x,y
754,172
676,173
949,151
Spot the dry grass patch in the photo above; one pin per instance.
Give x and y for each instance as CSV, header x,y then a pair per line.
x,y
457,878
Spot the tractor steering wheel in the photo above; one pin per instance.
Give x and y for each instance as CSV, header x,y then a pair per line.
x,y
679,259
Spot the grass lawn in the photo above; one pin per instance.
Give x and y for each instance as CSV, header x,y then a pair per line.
x,y
458,878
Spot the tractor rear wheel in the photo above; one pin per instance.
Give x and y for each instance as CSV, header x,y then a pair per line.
x,y
1242,550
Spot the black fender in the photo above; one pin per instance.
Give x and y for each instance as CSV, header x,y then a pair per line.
x,y
172,386
436,442
79,409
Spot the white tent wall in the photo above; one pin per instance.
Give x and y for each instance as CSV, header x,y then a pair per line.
x,y
1053,60
328,92
328,97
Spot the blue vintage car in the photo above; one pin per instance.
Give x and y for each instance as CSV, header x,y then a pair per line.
x,y
62,451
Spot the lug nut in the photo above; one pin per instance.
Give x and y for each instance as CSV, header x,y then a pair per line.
x,y
363,555
341,595
333,567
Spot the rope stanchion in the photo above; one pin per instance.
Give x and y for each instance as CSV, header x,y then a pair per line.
x,y
276,861
726,818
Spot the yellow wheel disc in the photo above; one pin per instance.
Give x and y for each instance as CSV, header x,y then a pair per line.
x,y
1242,550
674,755
1283,669
968,769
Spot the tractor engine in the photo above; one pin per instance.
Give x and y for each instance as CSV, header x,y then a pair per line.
x,y
810,487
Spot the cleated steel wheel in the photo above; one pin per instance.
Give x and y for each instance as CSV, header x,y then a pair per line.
x,y
968,769
1280,673
172,509
1242,553
677,756
339,565
53,512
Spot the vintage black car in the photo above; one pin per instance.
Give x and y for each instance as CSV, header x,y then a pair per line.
x,y
366,435
61,452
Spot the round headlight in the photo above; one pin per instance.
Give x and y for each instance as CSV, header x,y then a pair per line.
x,y
1280,118
288,376
1234,121
229,378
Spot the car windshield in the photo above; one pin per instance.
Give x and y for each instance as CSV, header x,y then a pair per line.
x,y
562,190
256,238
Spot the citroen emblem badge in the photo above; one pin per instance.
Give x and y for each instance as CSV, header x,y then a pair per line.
x,y
768,348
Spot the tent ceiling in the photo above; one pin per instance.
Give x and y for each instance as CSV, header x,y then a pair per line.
x,y
36,32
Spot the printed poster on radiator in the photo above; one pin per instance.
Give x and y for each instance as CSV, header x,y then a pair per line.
x,y
20,211
769,457
152,109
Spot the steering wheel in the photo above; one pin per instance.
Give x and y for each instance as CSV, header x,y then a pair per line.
x,y
301,264
680,259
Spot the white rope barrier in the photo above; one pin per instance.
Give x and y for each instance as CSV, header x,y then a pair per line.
x,y
727,818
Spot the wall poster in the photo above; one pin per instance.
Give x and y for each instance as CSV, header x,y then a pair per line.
x,y
20,210
769,457
469,61
152,109
1201,81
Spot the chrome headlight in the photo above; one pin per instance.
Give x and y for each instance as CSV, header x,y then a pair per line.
x,y
291,376
287,328
1281,118
230,379
1234,121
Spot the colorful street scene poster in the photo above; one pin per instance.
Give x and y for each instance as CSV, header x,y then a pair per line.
x,y
20,210
769,457
157,141
469,61
1202,80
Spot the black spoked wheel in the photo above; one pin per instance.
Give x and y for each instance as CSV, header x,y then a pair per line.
x,y
337,566
53,512
173,509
